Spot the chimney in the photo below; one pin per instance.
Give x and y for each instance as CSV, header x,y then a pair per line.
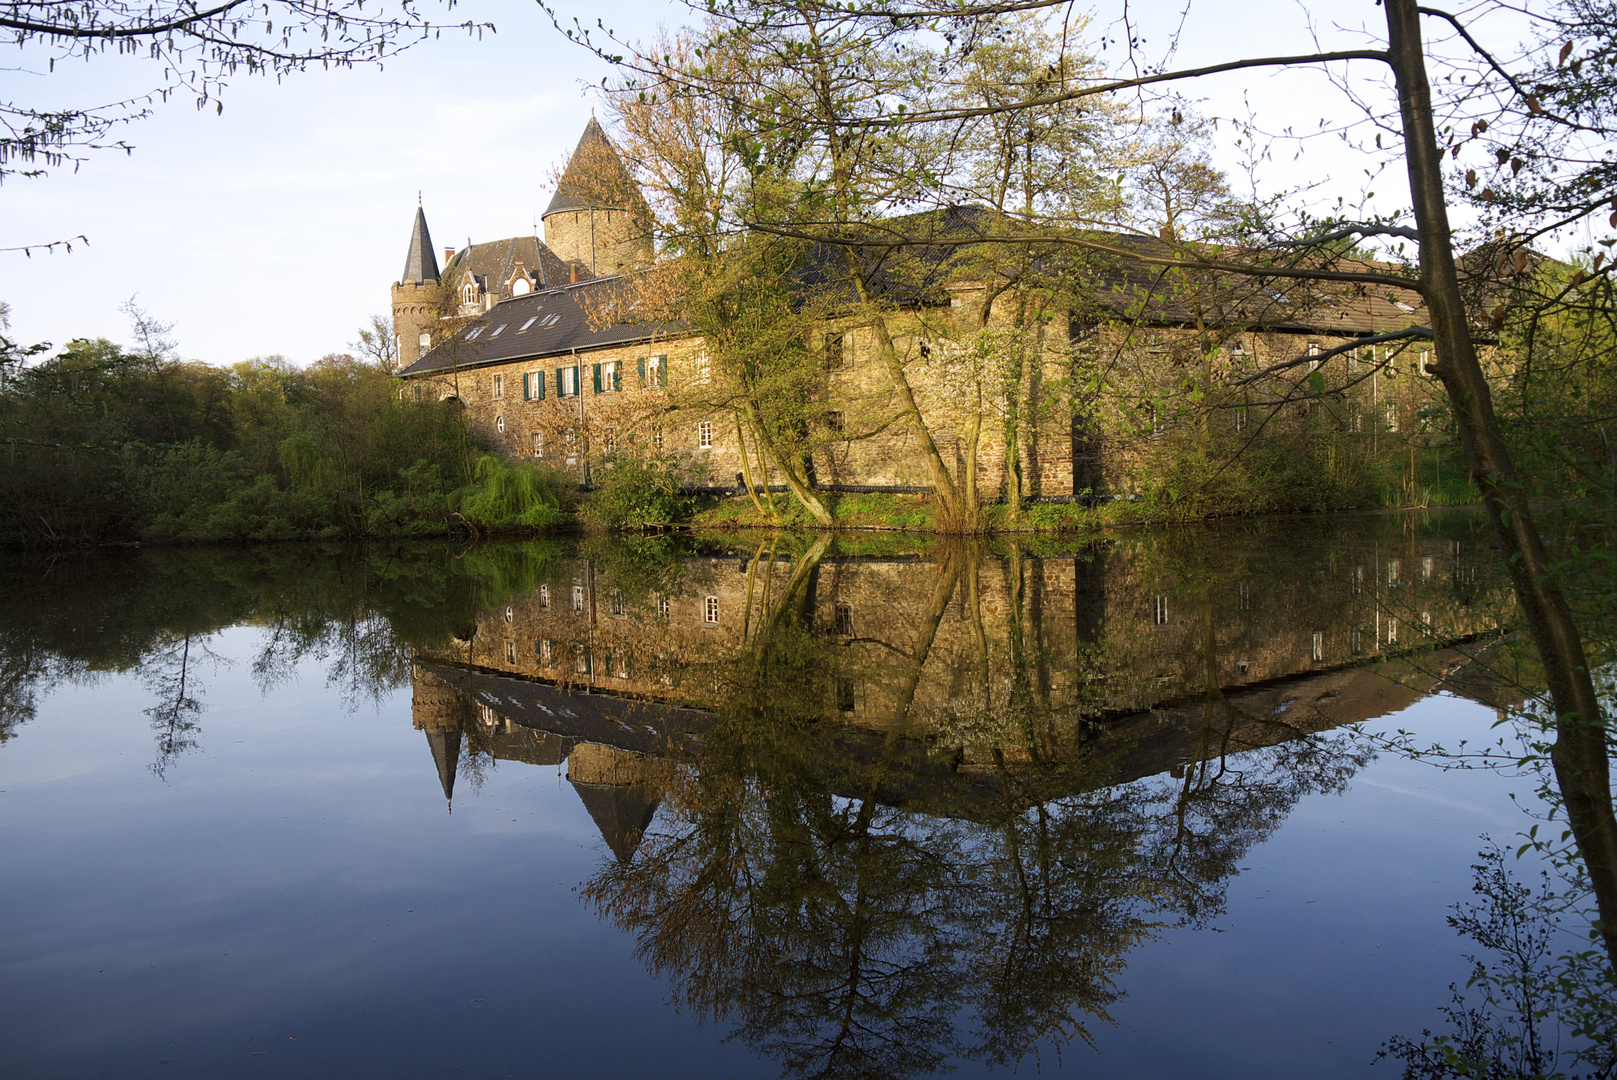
x,y
575,273
449,255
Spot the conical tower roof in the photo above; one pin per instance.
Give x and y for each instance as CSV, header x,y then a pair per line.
x,y
445,746
595,177
421,263
622,812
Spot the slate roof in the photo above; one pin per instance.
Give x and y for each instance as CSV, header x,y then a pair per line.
x,y
494,260
1117,286
595,178
552,322
420,262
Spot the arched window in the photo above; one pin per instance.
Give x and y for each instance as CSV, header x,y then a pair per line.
x,y
499,424
520,287
470,292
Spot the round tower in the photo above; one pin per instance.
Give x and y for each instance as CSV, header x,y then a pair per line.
x,y
416,295
598,216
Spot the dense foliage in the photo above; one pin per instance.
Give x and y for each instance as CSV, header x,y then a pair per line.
x,y
104,444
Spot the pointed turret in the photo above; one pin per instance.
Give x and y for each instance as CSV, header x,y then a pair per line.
x,y
598,215
421,263
622,813
445,746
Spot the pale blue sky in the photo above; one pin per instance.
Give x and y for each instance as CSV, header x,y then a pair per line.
x,y
278,226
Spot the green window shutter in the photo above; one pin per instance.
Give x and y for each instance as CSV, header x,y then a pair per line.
x,y
539,386
597,378
642,363
561,385
662,370
527,387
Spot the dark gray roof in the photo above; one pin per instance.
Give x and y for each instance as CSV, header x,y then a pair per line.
x,y
493,261
445,747
595,178
552,322
421,263
623,813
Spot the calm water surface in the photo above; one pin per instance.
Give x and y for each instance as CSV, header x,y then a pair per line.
x,y
743,808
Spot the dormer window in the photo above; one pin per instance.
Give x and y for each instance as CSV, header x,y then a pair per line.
x,y
521,287
470,293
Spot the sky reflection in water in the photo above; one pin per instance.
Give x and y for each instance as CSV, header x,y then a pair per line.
x,y
292,895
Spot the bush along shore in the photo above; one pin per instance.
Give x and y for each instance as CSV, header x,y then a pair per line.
x,y
106,446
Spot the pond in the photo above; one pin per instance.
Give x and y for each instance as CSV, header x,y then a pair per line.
x,y
747,806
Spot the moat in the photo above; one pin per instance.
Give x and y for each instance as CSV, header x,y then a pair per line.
x,y
749,806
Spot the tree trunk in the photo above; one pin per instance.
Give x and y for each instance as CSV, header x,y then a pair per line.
x,y
1582,767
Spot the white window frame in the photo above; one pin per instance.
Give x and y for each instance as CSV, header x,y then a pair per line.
x,y
704,435
710,610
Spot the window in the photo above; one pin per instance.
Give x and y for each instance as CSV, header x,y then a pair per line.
x,y
1392,571
1243,596
1240,418
539,445
1319,645
833,422
578,598
710,610
610,440
1428,366
1159,610
498,330
1392,631
567,382
662,607
469,293
499,424
476,331
533,386
544,597
845,620
547,652
835,352
425,341
521,287
1427,565
510,652
620,609
845,695
527,324
1313,350
499,386
652,369
510,615
606,377
704,369
1356,641
571,441
704,435
549,320
1392,418
581,660
1355,418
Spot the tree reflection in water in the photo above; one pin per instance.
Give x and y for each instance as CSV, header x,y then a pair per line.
x,y
845,934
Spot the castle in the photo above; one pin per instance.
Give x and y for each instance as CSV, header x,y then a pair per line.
x,y
541,343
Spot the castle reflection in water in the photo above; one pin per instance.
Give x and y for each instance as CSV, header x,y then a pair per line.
x,y
933,679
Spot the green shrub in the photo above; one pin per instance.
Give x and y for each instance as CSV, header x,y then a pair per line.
x,y
632,492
